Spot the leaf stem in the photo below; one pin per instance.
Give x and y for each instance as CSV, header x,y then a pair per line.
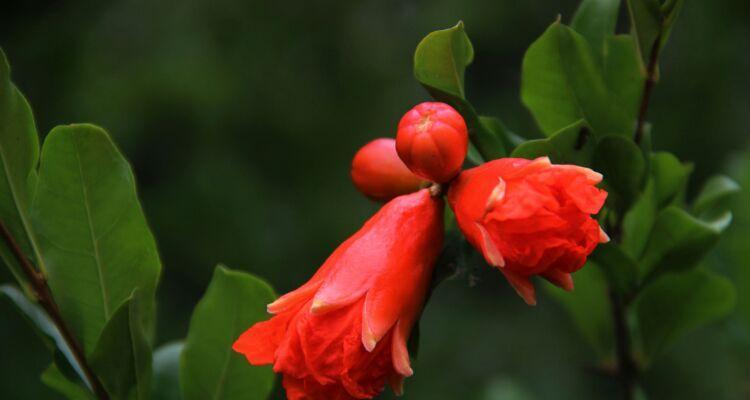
x,y
44,297
648,87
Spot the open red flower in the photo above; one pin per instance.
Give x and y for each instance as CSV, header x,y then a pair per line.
x,y
530,218
343,334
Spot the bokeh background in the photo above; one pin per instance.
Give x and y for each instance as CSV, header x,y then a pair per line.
x,y
240,118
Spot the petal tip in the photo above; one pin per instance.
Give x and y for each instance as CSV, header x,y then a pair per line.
x,y
318,306
496,196
603,237
369,340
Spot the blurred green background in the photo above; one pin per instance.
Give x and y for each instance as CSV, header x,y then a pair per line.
x,y
241,117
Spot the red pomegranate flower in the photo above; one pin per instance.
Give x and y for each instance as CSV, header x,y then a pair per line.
x,y
432,140
530,218
343,334
379,174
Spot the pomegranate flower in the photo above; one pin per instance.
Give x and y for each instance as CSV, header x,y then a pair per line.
x,y
530,218
343,334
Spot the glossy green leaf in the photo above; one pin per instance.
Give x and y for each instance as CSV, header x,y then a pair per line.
x,y
670,177
571,145
679,241
715,196
210,369
93,234
623,75
619,268
651,22
596,20
441,59
494,137
43,326
638,222
122,356
166,383
440,63
644,23
19,155
473,156
561,83
588,307
535,148
677,303
623,166
56,380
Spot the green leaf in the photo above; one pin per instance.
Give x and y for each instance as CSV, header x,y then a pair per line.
x,y
679,241
53,378
561,83
210,369
19,155
638,222
441,59
43,326
677,303
93,234
167,372
571,145
535,148
473,156
652,23
122,356
596,20
440,63
588,307
715,196
670,177
622,72
494,137
619,268
623,166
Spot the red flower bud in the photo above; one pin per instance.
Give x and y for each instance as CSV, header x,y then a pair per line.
x,y
432,141
343,334
530,218
379,174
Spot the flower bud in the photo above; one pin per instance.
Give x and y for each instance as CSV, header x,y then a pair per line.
x,y
379,174
344,333
530,218
432,141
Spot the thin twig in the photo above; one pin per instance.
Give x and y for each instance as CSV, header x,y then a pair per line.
x,y
648,87
44,297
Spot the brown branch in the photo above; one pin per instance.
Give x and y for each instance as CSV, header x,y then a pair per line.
x,y
44,298
648,87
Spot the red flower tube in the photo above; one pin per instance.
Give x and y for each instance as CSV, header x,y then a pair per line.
x,y
379,174
343,334
530,218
